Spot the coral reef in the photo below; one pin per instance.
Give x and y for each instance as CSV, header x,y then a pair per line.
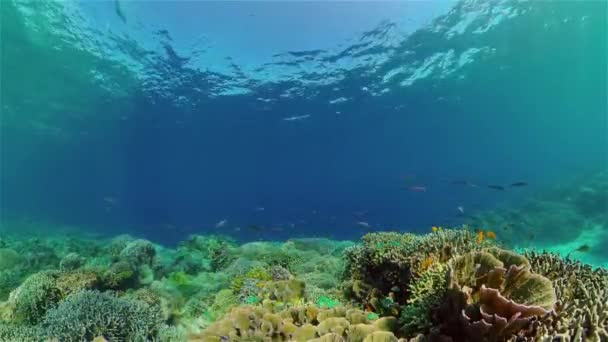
x,y
299,323
447,285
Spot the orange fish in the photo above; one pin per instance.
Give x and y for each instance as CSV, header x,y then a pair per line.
x,y
491,235
368,308
479,236
426,263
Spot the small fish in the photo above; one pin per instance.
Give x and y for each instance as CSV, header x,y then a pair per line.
x,y
368,307
297,117
363,224
479,237
518,184
417,188
460,209
426,263
221,224
237,229
491,235
434,229
496,187
583,248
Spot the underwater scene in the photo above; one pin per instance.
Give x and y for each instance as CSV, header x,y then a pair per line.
x,y
357,171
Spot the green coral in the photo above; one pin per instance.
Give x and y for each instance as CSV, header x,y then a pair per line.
x,y
119,275
34,297
87,314
10,332
325,302
257,274
9,258
425,294
138,252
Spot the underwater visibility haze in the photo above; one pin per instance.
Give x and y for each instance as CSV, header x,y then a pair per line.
x,y
303,171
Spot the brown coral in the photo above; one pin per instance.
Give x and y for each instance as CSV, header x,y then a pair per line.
x,y
487,302
581,312
299,323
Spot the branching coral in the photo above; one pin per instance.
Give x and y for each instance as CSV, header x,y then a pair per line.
x,y
87,314
581,312
425,295
21,333
34,297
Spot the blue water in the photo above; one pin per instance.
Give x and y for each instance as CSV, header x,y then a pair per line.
x,y
130,127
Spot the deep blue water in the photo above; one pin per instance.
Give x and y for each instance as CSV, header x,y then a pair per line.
x,y
106,133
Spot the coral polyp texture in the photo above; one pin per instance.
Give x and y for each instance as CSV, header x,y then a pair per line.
x,y
448,285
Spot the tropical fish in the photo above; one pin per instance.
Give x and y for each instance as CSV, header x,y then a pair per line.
x,y
221,224
417,188
426,263
363,224
479,237
460,209
496,187
519,184
491,235
434,229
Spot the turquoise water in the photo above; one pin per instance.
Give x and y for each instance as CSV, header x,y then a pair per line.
x,y
277,121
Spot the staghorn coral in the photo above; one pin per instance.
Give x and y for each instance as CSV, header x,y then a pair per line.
x,y
87,314
30,301
22,333
581,312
